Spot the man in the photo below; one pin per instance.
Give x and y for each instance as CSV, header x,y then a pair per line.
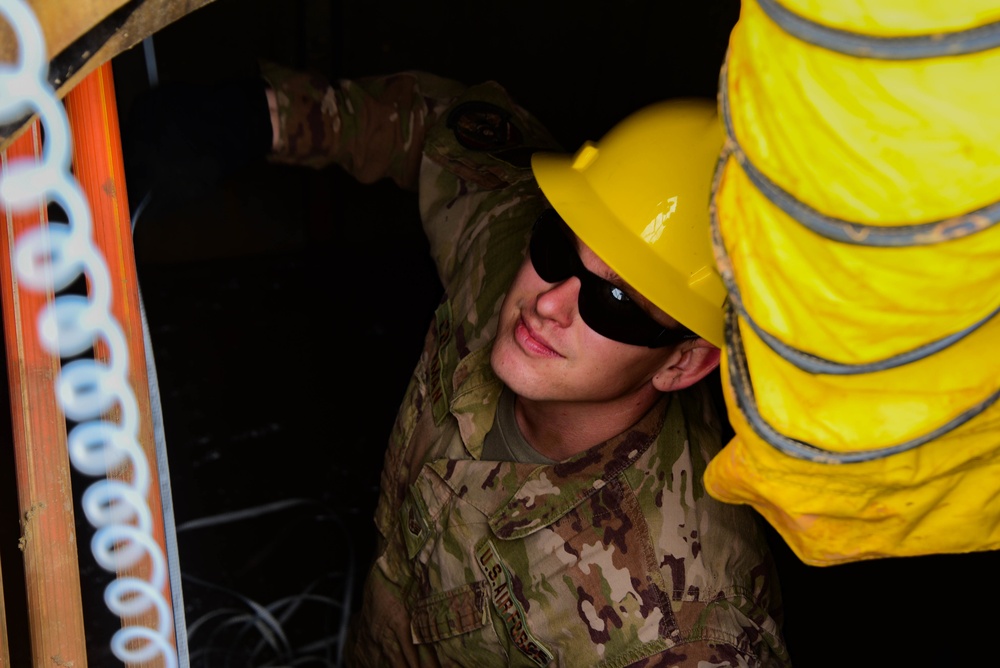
x,y
541,499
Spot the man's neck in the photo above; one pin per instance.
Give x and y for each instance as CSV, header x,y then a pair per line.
x,y
559,430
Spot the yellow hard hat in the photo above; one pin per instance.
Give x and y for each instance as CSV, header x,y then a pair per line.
x,y
640,200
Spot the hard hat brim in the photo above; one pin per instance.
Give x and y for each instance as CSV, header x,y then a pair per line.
x,y
571,193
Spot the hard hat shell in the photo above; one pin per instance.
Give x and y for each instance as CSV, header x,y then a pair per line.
x,y
640,198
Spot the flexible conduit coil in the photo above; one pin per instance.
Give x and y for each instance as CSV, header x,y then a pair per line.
x,y
855,225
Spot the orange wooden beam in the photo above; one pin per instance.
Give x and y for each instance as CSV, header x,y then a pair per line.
x,y
99,167
45,498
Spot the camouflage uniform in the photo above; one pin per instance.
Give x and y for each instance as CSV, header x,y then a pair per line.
x,y
615,557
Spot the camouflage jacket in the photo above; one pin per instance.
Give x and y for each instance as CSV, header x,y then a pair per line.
x,y
615,557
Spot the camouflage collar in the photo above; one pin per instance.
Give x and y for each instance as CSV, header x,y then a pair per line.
x,y
522,498
477,393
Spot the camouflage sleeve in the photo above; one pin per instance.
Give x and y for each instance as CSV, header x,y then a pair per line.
x,y
478,196
372,127
698,654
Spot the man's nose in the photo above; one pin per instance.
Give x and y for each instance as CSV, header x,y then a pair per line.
x,y
559,302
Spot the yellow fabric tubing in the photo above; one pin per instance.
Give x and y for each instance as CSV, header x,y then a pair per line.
x,y
855,224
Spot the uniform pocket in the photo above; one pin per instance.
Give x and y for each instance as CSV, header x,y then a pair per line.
x,y
451,613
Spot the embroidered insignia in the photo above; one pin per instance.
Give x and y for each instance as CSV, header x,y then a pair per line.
x,y
507,606
414,527
481,126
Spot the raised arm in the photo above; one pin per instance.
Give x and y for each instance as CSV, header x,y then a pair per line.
x,y
373,127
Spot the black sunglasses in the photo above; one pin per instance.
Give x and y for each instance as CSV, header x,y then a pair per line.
x,y
604,306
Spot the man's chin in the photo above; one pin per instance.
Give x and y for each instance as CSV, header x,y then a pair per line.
x,y
508,363
499,360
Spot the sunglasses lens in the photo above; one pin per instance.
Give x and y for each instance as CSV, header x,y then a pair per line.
x,y
552,254
612,314
603,306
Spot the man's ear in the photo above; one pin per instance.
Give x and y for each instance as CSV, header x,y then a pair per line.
x,y
691,361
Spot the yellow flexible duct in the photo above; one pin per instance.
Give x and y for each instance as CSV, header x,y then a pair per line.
x,y
855,224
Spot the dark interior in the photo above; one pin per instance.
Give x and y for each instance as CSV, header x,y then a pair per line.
x,y
287,306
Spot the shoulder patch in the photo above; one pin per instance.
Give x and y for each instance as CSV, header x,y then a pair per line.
x,y
483,126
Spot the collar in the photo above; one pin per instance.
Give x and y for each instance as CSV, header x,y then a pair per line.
x,y
477,393
520,499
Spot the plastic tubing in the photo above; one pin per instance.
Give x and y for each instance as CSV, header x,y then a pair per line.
x,y
52,258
